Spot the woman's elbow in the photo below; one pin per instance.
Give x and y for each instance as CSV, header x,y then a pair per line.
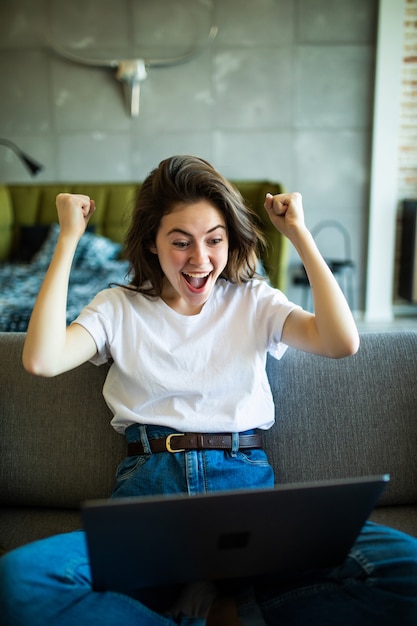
x,y
348,347
35,366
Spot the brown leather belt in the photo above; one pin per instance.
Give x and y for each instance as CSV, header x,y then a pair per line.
x,y
179,442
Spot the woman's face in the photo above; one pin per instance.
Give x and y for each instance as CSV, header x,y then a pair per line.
x,y
192,246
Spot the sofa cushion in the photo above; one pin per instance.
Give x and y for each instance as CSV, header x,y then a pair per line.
x,y
57,447
403,518
351,417
20,525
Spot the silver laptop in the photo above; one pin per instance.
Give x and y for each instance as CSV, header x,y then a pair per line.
x,y
137,543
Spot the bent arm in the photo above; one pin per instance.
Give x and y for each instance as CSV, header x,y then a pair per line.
x,y
331,330
50,346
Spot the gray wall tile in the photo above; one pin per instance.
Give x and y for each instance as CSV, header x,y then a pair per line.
x,y
267,155
337,21
149,149
22,23
25,94
77,149
255,22
92,28
86,98
253,90
334,86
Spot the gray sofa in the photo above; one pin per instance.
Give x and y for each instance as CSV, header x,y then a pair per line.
x,y
352,417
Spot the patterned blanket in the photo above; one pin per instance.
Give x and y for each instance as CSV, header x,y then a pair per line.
x,y
95,267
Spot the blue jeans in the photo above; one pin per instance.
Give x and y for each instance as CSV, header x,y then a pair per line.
x,y
48,583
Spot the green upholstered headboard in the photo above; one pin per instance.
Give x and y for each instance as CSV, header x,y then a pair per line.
x,y
28,205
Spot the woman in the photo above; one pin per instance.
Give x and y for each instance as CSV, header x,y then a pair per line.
x,y
188,341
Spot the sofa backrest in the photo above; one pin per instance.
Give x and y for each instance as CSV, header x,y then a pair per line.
x,y
30,205
56,443
352,417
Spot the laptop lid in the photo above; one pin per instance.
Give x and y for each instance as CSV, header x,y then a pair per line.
x,y
152,541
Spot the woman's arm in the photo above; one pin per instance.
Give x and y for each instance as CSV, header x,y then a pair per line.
x,y
50,347
331,331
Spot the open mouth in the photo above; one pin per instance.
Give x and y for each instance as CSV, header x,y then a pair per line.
x,y
196,281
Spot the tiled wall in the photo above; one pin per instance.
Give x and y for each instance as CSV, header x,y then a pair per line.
x,y
285,92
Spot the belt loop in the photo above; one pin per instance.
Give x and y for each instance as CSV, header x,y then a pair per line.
x,y
144,439
235,444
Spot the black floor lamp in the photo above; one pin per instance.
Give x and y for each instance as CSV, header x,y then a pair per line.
x,y
32,166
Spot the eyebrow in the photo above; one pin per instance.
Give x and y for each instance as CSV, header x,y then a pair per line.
x,y
184,232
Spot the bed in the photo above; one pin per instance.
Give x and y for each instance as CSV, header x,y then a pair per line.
x,y
96,265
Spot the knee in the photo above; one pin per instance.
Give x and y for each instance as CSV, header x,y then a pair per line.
x,y
34,577
407,557
13,567
16,568
397,566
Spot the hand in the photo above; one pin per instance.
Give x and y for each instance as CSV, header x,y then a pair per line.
x,y
74,212
285,211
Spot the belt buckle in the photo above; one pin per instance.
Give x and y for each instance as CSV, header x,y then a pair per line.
x,y
168,442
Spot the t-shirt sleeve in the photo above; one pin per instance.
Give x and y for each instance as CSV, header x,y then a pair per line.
x,y
272,311
96,319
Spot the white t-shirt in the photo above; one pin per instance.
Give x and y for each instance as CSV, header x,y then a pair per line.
x,y
200,373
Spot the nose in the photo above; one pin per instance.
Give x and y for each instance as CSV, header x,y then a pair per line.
x,y
199,255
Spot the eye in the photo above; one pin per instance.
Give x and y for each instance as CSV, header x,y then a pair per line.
x,y
180,244
215,241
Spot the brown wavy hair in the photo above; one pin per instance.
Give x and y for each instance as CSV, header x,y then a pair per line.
x,y
188,179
